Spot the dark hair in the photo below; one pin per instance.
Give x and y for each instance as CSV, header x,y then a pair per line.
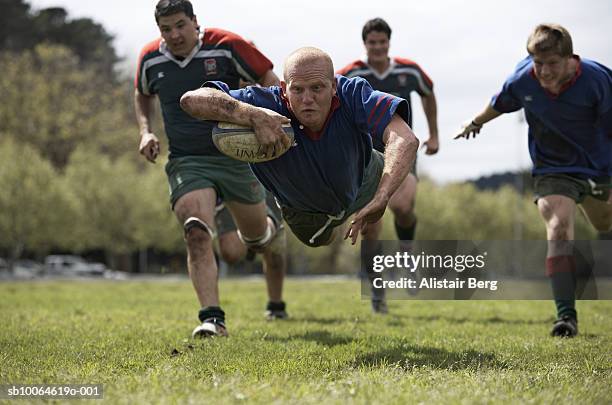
x,y
375,24
550,38
169,7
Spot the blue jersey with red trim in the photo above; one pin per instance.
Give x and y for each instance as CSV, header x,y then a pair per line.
x,y
570,132
324,171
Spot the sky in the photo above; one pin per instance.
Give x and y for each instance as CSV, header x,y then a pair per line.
x,y
468,48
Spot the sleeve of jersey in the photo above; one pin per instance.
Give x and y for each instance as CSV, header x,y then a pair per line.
x,y
140,81
348,69
425,83
257,96
373,109
505,101
604,104
250,63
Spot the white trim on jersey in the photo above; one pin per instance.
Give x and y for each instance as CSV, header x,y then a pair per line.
x,y
166,56
143,71
228,54
196,53
393,68
415,72
163,48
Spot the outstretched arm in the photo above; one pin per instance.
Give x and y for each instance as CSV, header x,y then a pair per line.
x,y
430,108
400,152
473,127
216,105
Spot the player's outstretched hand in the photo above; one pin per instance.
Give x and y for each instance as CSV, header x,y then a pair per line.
x,y
369,214
149,146
467,129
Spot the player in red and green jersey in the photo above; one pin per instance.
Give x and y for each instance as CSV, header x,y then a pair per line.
x,y
400,77
181,60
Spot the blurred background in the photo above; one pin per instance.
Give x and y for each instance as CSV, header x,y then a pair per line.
x,y
77,198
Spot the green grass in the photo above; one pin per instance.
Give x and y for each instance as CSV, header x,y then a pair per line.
x,y
132,337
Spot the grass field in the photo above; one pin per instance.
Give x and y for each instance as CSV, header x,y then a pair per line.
x,y
132,337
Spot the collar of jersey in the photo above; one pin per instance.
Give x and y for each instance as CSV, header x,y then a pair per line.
x,y
567,85
383,75
163,49
314,135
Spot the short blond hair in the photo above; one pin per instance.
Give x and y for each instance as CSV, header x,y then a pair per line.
x,y
306,56
547,38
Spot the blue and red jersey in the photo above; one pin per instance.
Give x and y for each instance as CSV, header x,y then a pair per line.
x,y
325,170
570,132
219,55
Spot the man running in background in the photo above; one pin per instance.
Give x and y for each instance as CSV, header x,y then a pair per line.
x,y
181,60
568,105
400,77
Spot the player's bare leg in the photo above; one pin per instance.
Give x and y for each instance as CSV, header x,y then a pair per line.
x,y
195,211
370,247
559,212
598,212
402,205
255,224
231,248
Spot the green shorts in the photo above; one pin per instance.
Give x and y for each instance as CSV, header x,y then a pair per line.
x,y
232,180
570,186
225,222
315,228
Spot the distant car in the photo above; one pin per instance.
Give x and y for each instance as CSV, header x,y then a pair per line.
x,y
70,265
27,269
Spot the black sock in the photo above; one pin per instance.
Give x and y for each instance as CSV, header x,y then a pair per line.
x,y
405,233
276,306
369,249
212,312
562,273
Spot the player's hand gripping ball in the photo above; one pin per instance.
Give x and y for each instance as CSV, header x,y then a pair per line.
x,y
239,142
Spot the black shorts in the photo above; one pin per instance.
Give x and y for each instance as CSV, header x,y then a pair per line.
x,y
572,187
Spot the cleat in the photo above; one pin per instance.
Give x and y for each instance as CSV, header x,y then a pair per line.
x,y
211,327
565,327
276,310
379,306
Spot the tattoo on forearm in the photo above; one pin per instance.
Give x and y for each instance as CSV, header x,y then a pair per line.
x,y
214,107
225,106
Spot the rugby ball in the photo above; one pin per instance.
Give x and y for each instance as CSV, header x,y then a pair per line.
x,y
239,142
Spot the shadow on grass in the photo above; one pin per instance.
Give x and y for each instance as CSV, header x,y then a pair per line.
x,y
400,320
399,352
409,356
313,319
322,337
